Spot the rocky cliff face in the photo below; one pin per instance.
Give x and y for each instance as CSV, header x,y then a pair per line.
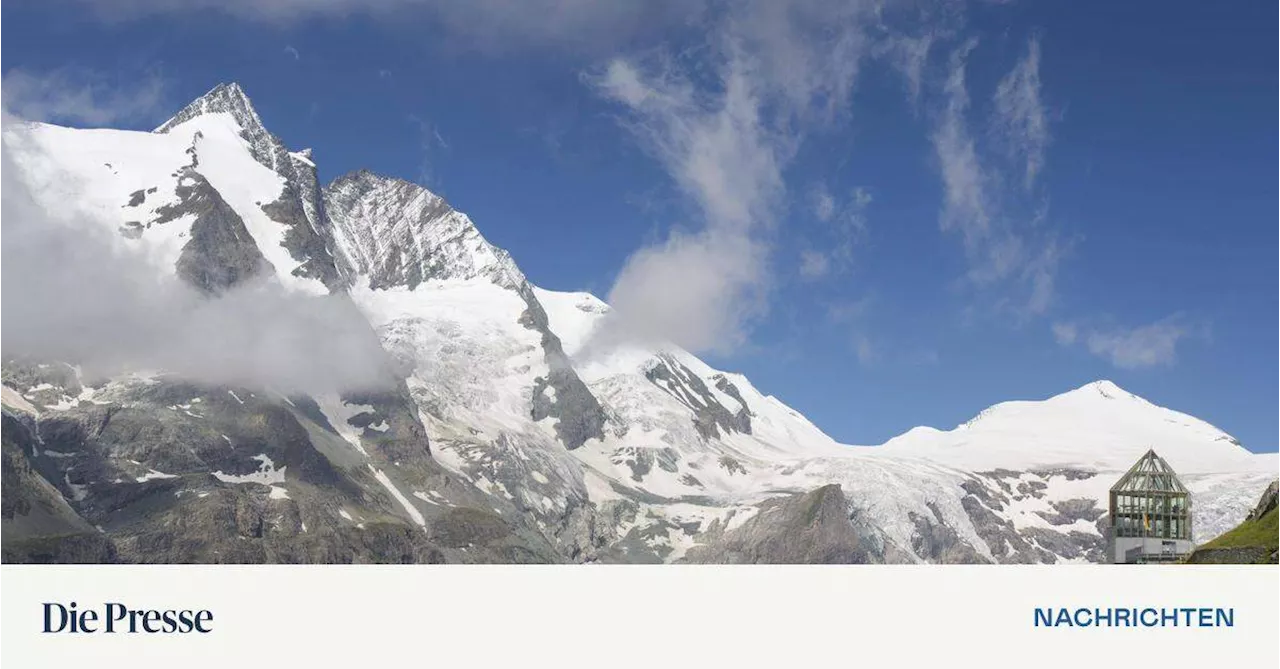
x,y
299,207
1266,503
158,470
39,524
396,233
806,528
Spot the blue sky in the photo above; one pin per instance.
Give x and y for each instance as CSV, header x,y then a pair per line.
x,y
1047,194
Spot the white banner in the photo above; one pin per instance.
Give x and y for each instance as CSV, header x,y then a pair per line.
x,y
635,616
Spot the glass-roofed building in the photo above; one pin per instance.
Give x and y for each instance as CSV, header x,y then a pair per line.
x,y
1150,514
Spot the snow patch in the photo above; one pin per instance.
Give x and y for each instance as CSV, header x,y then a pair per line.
x,y
266,473
395,492
13,399
153,474
337,411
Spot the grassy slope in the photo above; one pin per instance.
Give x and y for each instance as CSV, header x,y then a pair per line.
x,y
1260,532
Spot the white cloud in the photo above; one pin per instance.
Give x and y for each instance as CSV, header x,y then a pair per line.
x,y
1008,245
861,197
696,289
71,293
865,351
1145,346
965,188
846,211
846,223
908,55
432,145
849,311
852,317
824,205
82,97
1065,333
293,52
724,123
716,147
1150,345
1021,121
814,264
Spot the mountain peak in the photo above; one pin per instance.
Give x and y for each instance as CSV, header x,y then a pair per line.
x,y
224,98
397,232
1098,426
364,178
230,99
1103,388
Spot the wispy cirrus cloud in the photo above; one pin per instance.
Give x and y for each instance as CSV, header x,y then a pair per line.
x,y
852,316
434,147
724,123
701,285
1152,345
909,55
1065,333
844,222
1021,121
83,97
993,199
814,264
1009,246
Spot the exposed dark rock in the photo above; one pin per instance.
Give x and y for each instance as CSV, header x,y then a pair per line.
x,y
38,526
992,499
1068,474
642,460
579,414
1004,541
301,237
412,235
1032,488
230,99
935,541
1071,545
710,416
308,236
1069,511
810,528
1265,503
731,465
164,474
298,208
220,253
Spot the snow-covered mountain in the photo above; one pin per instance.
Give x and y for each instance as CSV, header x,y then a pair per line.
x,y
1098,426
521,428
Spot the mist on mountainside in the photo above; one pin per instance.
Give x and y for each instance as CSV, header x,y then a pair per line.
x,y
74,294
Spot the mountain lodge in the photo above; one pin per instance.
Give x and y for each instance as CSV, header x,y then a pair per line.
x,y
1150,515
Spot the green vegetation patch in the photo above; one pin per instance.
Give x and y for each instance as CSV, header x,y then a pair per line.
x,y
1262,532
